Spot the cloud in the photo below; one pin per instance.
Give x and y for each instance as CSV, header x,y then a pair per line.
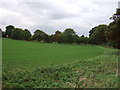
x,y
52,15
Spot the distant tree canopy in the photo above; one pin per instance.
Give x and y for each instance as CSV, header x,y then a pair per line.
x,y
26,34
17,34
20,34
40,36
57,36
9,30
84,40
92,31
113,31
68,35
97,34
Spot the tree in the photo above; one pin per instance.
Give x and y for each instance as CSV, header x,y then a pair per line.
x,y
113,31
83,40
46,38
92,31
57,36
17,34
9,30
40,36
82,36
37,35
26,34
98,35
3,34
51,38
76,39
68,35
116,16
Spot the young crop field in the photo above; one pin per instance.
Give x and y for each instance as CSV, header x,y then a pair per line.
x,y
44,65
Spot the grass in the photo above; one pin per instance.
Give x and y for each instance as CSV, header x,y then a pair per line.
x,y
29,54
43,65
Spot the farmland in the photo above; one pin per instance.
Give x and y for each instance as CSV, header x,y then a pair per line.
x,y
47,65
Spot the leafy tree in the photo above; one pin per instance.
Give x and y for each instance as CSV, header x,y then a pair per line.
x,y
9,30
26,34
63,38
83,40
92,31
98,35
68,35
82,36
3,34
51,38
113,31
46,38
76,39
37,35
17,34
57,36
40,36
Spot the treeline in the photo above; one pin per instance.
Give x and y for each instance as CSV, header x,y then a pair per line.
x,y
101,34
68,36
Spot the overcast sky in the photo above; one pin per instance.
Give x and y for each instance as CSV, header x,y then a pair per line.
x,y
52,15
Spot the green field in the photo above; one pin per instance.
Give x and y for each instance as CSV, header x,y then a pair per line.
x,y
43,65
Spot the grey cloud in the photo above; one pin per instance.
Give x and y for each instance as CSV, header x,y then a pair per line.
x,y
61,14
37,5
51,9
